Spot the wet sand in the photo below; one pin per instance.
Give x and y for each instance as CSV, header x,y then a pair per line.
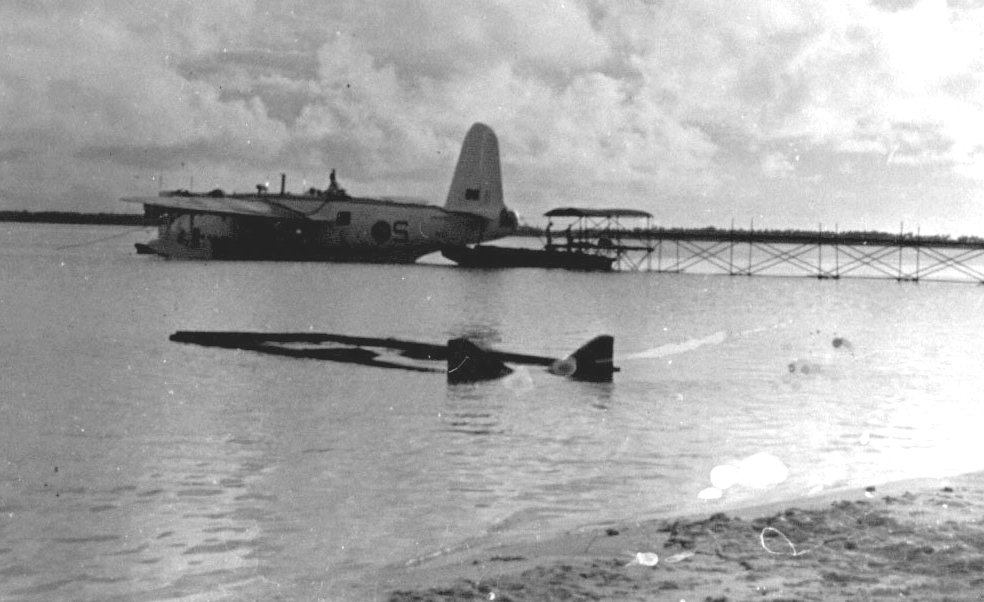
x,y
919,540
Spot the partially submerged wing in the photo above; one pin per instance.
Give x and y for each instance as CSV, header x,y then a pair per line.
x,y
252,207
231,339
466,361
367,351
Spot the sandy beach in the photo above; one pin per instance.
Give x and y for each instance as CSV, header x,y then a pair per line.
x,y
919,540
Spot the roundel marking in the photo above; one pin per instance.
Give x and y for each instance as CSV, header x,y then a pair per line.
x,y
380,232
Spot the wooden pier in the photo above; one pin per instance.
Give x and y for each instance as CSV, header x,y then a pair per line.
x,y
822,254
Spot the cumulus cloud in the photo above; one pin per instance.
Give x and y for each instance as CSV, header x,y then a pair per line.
x,y
694,111
777,165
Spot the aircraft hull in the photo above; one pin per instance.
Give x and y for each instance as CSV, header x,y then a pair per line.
x,y
486,256
171,250
331,225
344,230
327,253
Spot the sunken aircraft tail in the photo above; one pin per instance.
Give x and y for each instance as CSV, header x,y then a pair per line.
x,y
469,362
592,362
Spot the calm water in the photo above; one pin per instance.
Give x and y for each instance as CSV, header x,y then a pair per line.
x,y
139,469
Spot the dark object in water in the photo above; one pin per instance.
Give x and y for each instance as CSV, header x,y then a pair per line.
x,y
466,361
842,343
280,343
593,361
488,256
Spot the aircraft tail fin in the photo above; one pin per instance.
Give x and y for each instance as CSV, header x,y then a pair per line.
x,y
467,362
477,184
593,361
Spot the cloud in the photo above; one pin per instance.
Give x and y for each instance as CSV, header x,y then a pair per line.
x,y
777,165
440,40
692,110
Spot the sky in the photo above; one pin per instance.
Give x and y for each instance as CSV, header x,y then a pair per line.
x,y
847,114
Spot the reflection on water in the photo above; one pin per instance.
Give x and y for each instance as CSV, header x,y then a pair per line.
x,y
468,412
136,468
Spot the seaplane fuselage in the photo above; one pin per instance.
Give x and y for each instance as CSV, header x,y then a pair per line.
x,y
332,229
330,225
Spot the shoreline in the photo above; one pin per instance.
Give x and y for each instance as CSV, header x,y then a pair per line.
x,y
920,537
785,236
75,218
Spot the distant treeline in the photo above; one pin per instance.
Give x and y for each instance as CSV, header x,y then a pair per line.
x,y
710,232
790,235
807,235
72,217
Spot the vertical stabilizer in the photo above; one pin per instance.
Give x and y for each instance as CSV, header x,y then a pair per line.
x,y
468,363
477,183
593,361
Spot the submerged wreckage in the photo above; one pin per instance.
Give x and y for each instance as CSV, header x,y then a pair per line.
x,y
466,360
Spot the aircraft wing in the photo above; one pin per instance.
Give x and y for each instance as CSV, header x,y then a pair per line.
x,y
466,361
220,206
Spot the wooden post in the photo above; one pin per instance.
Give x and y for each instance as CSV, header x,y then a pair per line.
x,y
751,235
731,250
819,250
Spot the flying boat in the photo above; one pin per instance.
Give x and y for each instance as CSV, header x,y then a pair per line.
x,y
331,225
